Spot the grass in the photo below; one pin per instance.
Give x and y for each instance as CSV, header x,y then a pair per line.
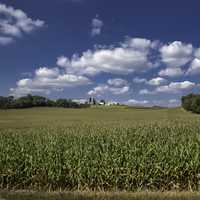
x,y
99,196
99,149
41,117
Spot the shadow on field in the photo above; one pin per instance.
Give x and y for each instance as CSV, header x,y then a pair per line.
x,y
99,196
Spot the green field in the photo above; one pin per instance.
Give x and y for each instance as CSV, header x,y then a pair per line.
x,y
51,117
99,149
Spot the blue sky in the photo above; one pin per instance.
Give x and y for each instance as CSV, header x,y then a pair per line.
x,y
134,52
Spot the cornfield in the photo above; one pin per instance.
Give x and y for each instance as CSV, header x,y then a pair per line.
x,y
123,156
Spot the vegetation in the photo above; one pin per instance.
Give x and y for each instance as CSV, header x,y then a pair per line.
x,y
191,103
99,149
30,101
99,196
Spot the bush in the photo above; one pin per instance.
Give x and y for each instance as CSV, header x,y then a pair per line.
x,y
191,103
30,101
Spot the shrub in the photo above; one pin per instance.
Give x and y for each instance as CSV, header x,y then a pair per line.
x,y
30,101
191,103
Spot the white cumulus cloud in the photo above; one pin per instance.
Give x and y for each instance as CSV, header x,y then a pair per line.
x,y
125,59
154,81
171,88
113,86
176,87
194,67
47,72
47,80
176,54
14,23
157,81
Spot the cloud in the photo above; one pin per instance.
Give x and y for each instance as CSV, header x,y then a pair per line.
x,y
171,72
194,67
102,89
22,91
167,103
175,87
137,43
172,88
173,101
47,80
135,102
157,81
145,92
14,23
134,55
163,102
5,40
176,54
117,82
139,80
113,86
153,82
124,59
197,53
47,72
97,26
127,59
26,74
140,43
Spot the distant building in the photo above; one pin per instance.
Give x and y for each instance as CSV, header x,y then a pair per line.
x,y
80,101
112,103
102,102
93,101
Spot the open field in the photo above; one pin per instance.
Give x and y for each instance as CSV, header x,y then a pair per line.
x,y
99,196
99,149
51,117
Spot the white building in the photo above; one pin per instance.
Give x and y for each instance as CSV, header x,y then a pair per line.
x,y
111,103
80,101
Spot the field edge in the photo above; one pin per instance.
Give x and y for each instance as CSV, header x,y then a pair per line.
x,y
88,195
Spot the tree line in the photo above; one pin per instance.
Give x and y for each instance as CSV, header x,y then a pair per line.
x,y
191,103
30,101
